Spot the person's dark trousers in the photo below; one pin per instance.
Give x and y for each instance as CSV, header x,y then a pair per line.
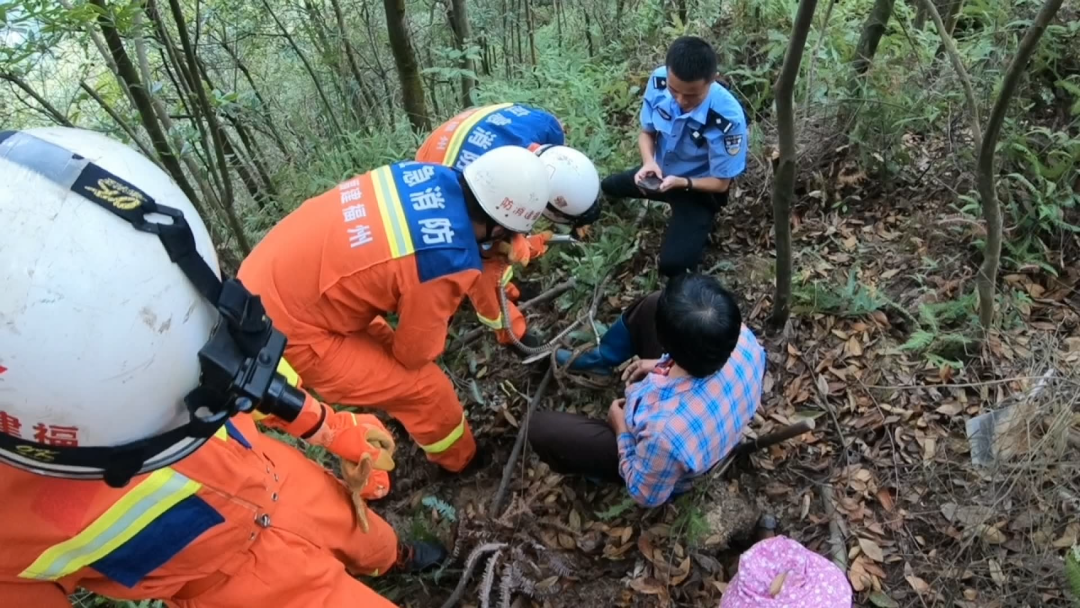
x,y
573,444
691,220
640,319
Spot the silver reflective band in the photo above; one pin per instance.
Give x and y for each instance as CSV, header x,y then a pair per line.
x,y
51,161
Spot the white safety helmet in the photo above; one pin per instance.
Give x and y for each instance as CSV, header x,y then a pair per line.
x,y
99,330
121,349
511,185
575,185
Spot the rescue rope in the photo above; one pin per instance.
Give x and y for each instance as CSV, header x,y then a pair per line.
x,y
551,345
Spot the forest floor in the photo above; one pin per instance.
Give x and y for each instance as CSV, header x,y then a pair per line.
x,y
876,353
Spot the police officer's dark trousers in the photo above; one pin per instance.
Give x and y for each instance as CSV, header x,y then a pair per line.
x,y
691,222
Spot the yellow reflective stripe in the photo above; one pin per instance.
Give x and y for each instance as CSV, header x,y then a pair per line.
x,y
147,501
293,378
287,370
467,125
222,433
507,276
446,442
495,323
393,216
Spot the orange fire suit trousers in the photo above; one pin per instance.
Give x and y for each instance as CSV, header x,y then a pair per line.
x,y
288,537
310,555
360,369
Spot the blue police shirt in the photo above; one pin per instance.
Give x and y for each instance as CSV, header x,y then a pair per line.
x,y
708,141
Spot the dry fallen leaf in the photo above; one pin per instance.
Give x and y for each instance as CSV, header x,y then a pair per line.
x,y
871,549
853,347
951,408
991,534
884,496
997,573
919,585
646,586
567,542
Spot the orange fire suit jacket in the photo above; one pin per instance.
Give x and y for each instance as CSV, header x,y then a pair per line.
x,y
396,239
464,138
245,520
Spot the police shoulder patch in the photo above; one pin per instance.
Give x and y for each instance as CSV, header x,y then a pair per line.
x,y
659,83
718,120
733,144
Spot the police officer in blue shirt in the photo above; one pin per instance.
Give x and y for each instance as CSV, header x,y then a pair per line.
x,y
693,145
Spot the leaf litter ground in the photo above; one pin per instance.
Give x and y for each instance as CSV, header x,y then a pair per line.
x,y
916,523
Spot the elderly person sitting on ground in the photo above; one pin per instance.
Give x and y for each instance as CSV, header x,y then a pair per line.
x,y
686,403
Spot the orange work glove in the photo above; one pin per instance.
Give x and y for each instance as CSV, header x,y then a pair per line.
x,y
360,440
365,483
517,250
345,434
522,249
538,243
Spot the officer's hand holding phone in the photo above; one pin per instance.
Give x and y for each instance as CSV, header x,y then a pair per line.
x,y
649,177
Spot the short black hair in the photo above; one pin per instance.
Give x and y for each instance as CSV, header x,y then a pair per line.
x,y
691,59
698,323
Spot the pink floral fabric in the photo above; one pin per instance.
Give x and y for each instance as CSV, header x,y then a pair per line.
x,y
812,581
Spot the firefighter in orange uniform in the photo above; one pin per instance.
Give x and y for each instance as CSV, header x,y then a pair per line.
x,y
130,379
401,239
573,183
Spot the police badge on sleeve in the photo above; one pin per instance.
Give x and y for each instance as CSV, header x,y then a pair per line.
x,y
733,143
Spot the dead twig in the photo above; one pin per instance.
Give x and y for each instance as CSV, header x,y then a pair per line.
x,y
790,431
837,544
515,453
474,558
544,297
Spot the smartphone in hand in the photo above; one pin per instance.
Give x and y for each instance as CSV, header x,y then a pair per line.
x,y
651,183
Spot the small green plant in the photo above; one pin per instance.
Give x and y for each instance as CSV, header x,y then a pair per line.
x,y
1072,574
942,335
853,299
690,524
616,510
445,509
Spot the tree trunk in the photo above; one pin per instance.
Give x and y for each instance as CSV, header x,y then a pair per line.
x,y
251,147
958,66
183,90
268,120
330,113
217,133
412,87
529,27
119,120
588,32
47,107
681,10
507,39
872,31
952,14
457,15
383,73
985,178
126,71
558,21
784,181
103,50
354,67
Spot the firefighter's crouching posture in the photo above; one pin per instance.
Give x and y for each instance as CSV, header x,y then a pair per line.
x,y
130,377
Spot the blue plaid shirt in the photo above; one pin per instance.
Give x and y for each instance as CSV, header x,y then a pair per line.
x,y
679,428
